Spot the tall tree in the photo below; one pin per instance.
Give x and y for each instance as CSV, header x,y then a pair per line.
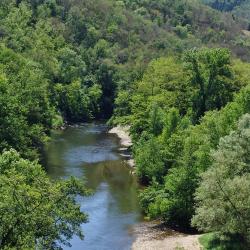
x,y
223,198
211,76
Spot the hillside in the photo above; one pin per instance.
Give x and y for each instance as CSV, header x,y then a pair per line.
x,y
176,72
239,8
85,50
223,5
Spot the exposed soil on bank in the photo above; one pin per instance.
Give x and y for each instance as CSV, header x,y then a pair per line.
x,y
152,236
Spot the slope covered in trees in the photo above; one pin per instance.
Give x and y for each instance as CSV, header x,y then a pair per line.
x,y
71,57
178,112
225,5
151,64
238,8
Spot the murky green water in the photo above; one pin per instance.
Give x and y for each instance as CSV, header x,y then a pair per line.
x,y
89,152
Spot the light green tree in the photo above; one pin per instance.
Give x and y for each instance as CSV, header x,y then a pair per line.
x,y
223,198
35,212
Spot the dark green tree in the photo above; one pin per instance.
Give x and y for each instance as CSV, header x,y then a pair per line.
x,y
211,75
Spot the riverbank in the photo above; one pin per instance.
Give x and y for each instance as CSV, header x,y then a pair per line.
x,y
151,236
125,142
123,134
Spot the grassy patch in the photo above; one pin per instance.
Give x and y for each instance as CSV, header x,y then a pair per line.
x,y
212,241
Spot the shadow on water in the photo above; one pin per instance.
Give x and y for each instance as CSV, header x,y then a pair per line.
x,y
91,153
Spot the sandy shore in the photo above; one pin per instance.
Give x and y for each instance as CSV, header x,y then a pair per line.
x,y
189,242
151,237
125,141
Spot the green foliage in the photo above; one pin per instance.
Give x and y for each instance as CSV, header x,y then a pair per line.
x,y
149,163
36,212
212,78
25,110
223,196
213,241
122,109
76,102
163,86
238,8
171,123
83,60
204,80
187,154
177,115
172,202
82,41
224,5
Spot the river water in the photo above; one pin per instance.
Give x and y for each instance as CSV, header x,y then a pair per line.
x,y
89,152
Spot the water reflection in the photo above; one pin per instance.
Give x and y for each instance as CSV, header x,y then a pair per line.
x,y
88,151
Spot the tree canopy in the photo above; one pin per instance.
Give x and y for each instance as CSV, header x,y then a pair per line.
x,y
223,203
35,211
176,72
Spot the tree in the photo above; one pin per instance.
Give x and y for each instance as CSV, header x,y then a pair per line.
x,y
211,76
73,101
16,25
163,86
165,83
35,212
223,198
72,66
149,162
186,154
173,201
25,109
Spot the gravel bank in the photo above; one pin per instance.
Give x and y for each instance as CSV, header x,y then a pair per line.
x,y
152,237
123,134
125,141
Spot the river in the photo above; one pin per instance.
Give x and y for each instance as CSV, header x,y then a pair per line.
x,y
89,152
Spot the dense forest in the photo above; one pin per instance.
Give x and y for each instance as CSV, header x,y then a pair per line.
x,y
177,72
225,5
238,8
